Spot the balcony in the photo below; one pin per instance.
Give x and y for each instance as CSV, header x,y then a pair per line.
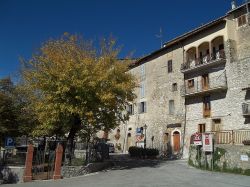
x,y
204,62
197,87
246,109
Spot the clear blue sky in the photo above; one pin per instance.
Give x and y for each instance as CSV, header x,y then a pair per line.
x,y
25,24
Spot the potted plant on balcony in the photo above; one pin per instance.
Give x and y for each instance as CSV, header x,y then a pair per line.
x,y
246,142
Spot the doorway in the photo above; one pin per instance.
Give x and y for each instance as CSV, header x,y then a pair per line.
x,y
205,82
176,142
129,141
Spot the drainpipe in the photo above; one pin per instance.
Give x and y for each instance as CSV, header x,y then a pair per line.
x,y
185,112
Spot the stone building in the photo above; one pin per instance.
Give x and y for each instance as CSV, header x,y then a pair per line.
x,y
197,82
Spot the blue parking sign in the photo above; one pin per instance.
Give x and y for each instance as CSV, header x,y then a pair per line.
x,y
9,142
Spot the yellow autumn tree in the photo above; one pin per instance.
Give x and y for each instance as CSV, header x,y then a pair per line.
x,y
74,86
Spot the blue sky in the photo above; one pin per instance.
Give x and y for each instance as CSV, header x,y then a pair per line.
x,y
25,24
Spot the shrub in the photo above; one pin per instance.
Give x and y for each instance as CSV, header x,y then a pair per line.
x,y
246,142
135,151
141,152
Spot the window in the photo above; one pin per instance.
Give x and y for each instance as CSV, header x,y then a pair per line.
x,y
170,68
201,128
142,90
191,83
216,125
130,109
242,20
174,87
205,81
142,107
171,106
206,107
143,72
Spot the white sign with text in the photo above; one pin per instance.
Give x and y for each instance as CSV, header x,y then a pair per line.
x,y
207,142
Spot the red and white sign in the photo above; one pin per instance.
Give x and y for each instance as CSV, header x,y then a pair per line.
x,y
197,139
139,138
207,142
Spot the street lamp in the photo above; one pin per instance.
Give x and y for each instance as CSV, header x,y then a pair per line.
x,y
145,139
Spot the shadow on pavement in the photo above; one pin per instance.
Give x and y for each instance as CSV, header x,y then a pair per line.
x,y
124,161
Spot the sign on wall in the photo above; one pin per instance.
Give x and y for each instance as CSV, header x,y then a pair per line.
x,y
197,139
207,142
244,158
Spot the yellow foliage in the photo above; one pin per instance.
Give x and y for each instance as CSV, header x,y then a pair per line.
x,y
69,78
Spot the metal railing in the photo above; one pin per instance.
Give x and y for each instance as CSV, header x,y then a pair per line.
x,y
206,59
231,136
12,158
197,87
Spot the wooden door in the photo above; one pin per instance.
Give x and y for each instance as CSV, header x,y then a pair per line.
x,y
205,82
176,141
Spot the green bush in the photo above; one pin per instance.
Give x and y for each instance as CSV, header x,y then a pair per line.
x,y
140,152
246,142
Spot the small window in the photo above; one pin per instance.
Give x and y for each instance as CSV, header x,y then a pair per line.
x,y
174,87
170,67
142,90
201,128
206,107
143,72
142,107
216,125
171,106
242,20
130,109
143,69
191,83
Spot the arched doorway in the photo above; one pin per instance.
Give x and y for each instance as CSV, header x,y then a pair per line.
x,y
129,140
176,142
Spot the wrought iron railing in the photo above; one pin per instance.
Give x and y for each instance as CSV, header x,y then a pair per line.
x,y
206,59
12,157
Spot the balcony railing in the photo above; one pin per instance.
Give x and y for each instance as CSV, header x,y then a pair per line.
x,y
231,136
203,61
214,84
246,109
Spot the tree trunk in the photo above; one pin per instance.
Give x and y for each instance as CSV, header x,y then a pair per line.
x,y
70,141
87,158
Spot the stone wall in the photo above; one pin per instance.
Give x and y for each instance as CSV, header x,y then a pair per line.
x,y
157,93
11,174
74,171
226,158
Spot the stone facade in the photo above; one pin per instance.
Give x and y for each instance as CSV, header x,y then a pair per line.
x,y
156,90
221,49
226,105
227,158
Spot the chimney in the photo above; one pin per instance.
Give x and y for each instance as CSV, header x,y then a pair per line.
x,y
233,3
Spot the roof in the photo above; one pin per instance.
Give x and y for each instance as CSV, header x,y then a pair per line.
x,y
185,36
181,38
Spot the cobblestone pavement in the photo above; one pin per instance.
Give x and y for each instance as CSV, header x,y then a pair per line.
x,y
148,173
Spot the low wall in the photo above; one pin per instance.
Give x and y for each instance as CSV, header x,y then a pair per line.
x,y
74,171
226,158
11,174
